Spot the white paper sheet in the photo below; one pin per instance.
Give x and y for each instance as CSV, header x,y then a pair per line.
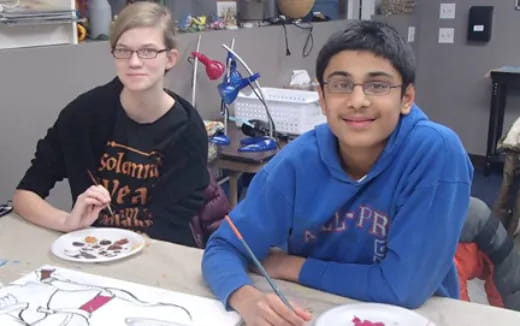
x,y
58,296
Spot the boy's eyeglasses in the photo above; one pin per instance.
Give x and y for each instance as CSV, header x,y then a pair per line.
x,y
345,86
145,53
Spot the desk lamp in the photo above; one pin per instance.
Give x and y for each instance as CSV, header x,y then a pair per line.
x,y
222,138
194,77
214,69
228,91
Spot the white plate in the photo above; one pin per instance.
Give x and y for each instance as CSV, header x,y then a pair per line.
x,y
95,245
374,312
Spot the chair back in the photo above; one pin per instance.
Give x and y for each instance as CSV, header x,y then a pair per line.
x,y
211,214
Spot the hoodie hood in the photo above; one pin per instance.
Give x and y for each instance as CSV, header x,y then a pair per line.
x,y
329,153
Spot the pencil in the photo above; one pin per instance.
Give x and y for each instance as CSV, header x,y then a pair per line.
x,y
97,184
258,264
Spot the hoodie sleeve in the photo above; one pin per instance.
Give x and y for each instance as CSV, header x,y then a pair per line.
x,y
263,219
47,166
430,212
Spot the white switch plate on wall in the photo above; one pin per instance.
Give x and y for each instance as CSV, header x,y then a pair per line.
x,y
411,34
446,35
224,6
447,11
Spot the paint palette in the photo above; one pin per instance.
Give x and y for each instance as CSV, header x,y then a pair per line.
x,y
95,245
374,314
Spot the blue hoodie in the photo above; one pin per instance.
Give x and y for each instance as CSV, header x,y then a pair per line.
x,y
389,237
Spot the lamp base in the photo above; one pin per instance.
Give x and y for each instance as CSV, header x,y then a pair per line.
x,y
257,144
220,139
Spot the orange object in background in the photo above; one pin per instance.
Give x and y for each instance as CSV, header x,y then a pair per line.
x,y
472,263
82,32
295,8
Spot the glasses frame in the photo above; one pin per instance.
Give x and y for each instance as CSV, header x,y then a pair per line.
x,y
137,52
363,87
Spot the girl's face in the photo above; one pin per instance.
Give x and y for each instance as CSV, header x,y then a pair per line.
x,y
142,58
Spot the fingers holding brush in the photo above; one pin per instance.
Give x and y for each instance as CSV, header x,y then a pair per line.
x,y
99,196
282,315
259,308
93,179
87,207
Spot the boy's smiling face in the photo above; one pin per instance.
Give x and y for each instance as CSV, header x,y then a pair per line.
x,y
362,123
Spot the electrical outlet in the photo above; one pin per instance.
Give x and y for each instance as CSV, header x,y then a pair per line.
x,y
446,35
223,7
447,11
411,34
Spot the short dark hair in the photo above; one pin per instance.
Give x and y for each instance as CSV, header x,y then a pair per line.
x,y
379,38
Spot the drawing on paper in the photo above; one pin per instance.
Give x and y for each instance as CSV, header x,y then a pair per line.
x,y
58,296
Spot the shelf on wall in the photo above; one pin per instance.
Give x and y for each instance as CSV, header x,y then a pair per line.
x,y
15,36
41,31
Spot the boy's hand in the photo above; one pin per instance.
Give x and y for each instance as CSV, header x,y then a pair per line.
x,y
259,309
87,207
280,265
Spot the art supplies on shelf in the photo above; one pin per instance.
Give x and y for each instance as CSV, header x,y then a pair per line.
x,y
25,23
37,17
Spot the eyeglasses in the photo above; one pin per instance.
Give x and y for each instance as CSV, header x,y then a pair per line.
x,y
345,86
144,53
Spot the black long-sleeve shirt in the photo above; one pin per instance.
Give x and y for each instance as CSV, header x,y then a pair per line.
x,y
78,140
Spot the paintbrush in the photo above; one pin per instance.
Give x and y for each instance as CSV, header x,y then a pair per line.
x,y
97,184
258,264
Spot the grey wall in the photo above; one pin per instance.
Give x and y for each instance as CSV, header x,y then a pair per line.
x,y
401,23
36,83
452,84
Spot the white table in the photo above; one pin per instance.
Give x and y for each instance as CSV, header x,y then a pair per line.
x,y
177,268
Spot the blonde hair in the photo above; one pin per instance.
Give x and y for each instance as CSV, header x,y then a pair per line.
x,y
144,14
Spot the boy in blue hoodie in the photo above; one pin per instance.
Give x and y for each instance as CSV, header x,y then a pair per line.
x,y
369,206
